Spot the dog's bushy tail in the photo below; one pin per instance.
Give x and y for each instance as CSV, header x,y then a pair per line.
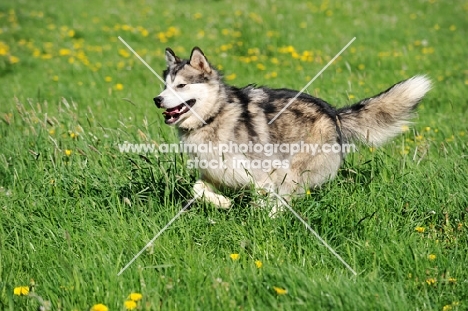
x,y
377,119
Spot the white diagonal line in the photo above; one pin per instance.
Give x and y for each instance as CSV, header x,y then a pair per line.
x,y
310,82
157,235
161,79
314,233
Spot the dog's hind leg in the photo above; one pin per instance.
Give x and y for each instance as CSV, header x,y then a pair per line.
x,y
204,191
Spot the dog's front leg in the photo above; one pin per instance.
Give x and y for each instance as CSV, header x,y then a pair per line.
x,y
204,191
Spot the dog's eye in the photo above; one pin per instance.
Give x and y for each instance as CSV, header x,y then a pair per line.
x,y
179,86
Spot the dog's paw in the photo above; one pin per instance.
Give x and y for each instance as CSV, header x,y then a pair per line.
x,y
222,202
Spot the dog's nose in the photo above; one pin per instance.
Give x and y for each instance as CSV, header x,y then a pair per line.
x,y
158,100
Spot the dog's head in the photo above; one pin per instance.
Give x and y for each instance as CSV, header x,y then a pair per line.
x,y
191,89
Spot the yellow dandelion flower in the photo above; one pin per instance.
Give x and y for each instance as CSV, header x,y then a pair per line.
x,y
197,15
108,79
55,78
231,77
436,27
258,264
130,305
144,32
99,307
124,53
119,87
452,280
135,296
261,66
308,192
361,66
234,256
453,28
404,128
126,27
431,281
274,74
420,229
431,257
447,308
351,96
64,52
71,33
21,290
13,59
280,291
372,149
4,49
51,131
68,152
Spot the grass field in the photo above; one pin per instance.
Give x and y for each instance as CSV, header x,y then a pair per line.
x,y
74,210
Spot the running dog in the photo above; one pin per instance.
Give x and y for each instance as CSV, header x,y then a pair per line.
x,y
273,139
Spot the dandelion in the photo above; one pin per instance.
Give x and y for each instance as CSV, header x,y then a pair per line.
x,y
71,33
64,52
130,305
453,28
361,66
124,53
3,49
108,79
197,15
52,131
13,59
119,87
351,96
68,152
261,66
231,77
404,128
99,307
431,257
234,256
55,78
447,308
452,280
135,296
431,281
372,149
21,290
258,264
420,229
280,291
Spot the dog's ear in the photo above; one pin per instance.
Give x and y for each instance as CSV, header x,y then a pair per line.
x,y
199,61
171,58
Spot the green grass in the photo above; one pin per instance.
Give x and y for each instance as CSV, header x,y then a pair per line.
x,y
71,222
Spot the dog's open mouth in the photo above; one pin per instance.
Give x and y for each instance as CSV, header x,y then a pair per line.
x,y
173,114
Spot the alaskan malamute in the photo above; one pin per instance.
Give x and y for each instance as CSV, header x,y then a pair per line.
x,y
275,139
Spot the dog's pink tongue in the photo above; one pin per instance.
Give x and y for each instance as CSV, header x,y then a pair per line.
x,y
172,111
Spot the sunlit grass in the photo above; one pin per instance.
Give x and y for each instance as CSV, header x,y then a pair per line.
x,y
74,211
